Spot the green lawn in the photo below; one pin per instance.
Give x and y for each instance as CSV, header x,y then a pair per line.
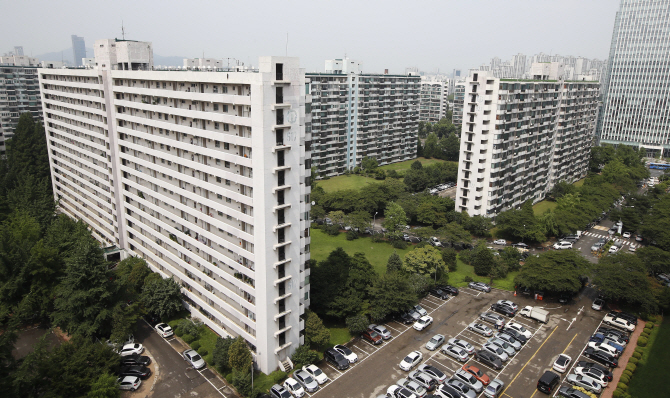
x,y
377,253
579,183
540,207
339,335
458,278
649,379
350,181
400,167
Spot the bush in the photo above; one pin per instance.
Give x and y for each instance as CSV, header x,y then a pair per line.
x,y
624,379
278,376
332,230
642,341
351,235
622,386
631,367
209,358
468,278
644,335
617,393
649,325
634,360
377,238
188,339
639,349
304,356
195,345
628,373
179,332
203,351
637,355
399,244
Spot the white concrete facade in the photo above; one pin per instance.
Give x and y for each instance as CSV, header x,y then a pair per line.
x,y
521,137
203,174
203,63
19,93
433,100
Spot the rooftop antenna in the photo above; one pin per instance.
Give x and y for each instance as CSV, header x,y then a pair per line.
x,y
123,31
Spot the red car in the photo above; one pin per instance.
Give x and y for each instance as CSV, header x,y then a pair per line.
x,y
479,375
372,336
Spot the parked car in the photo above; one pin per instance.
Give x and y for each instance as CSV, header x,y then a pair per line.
x,y
503,309
277,391
598,304
306,381
336,359
562,245
136,370
411,360
449,289
164,330
423,323
480,286
491,317
470,380
420,310
434,241
569,392
295,388
316,373
381,330
403,317
495,350
624,315
135,359
414,314
435,342
561,363
519,328
508,349
626,235
600,338
462,344
584,382
457,353
619,333
439,293
517,336
131,349
619,322
465,390
501,242
597,246
481,329
494,389
596,374
131,383
395,391
349,355
372,337
194,359
548,382
489,359
477,373
447,391
601,357
433,372
514,343
424,380
605,348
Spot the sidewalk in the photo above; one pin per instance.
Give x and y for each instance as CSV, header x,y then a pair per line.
x,y
623,359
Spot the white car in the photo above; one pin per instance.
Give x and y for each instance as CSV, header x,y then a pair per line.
x,y
597,304
594,373
423,322
396,391
192,357
626,235
130,349
620,323
131,383
462,344
164,329
561,363
606,348
585,382
346,353
457,353
294,387
562,245
520,329
411,360
614,249
316,373
435,242
501,242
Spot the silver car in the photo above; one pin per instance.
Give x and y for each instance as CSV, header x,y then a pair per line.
x,y
509,350
491,317
433,372
509,340
424,380
435,342
412,386
469,379
462,388
457,353
495,350
192,357
462,344
420,310
381,330
306,380
585,382
494,389
481,329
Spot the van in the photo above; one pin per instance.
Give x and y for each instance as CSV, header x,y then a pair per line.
x,y
548,382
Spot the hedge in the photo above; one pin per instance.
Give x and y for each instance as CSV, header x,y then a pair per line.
x,y
179,332
203,351
644,336
631,367
622,386
637,355
639,349
624,379
195,345
617,393
627,373
188,338
649,325
634,360
209,359
642,342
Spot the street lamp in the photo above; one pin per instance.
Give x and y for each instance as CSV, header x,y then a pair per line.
x,y
373,222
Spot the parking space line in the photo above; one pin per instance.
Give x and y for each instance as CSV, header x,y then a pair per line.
x,y
531,358
391,327
332,367
433,301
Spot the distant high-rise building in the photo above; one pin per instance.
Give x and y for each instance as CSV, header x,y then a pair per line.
x,y
18,50
519,65
433,102
636,109
79,49
459,95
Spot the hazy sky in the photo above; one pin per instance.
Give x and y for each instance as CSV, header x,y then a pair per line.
x,y
382,34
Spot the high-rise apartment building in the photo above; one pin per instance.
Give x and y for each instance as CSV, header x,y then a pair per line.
x,y
203,174
19,93
459,97
356,115
636,110
78,49
433,104
521,137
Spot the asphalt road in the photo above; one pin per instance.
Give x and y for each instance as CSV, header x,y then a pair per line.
x,y
567,331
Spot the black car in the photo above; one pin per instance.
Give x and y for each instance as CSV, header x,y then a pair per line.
x,y
449,289
404,318
503,309
548,382
619,333
488,359
138,371
587,365
623,315
336,359
448,391
601,357
569,392
135,359
439,293
521,338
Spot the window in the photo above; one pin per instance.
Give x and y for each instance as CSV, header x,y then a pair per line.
x,y
218,179
228,200
227,182
217,144
216,125
216,106
225,108
219,196
229,217
227,164
226,127
225,144
218,162
220,213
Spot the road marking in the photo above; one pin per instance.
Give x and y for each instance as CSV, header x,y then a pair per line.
x,y
575,318
566,347
533,394
391,327
332,367
531,358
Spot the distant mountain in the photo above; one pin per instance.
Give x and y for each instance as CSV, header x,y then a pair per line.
x,y
68,56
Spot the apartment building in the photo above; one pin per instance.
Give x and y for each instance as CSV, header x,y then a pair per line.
x,y
356,115
203,174
459,97
636,110
19,93
433,104
521,137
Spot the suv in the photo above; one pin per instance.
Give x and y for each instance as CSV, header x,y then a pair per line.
x,y
548,382
372,337
489,359
278,391
562,245
336,359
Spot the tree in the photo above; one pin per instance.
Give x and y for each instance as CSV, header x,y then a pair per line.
x,y
395,219
105,386
478,225
242,381
424,261
655,259
337,217
394,263
357,323
482,259
162,297
369,164
521,224
449,258
327,278
353,298
304,356
416,165
622,277
124,320
315,332
317,212
131,273
557,271
431,148
450,147
391,293
240,356
220,354
510,256
358,219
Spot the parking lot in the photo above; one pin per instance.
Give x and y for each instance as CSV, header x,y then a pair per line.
x,y
567,331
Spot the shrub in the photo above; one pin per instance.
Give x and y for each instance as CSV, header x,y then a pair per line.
x,y
624,379
278,376
642,341
634,360
399,244
628,373
195,345
188,338
421,244
637,355
377,238
179,332
646,330
468,278
332,230
644,335
617,393
209,358
351,235
203,351
622,386
639,349
304,356
631,367
649,324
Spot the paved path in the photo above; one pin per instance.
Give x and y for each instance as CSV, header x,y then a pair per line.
x,y
623,360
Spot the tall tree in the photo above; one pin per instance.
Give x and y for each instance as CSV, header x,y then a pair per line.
x,y
327,278
394,263
426,260
315,333
554,271
394,218
240,356
105,386
220,353
622,277
391,293
162,297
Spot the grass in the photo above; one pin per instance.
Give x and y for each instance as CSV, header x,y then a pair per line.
x,y
579,183
350,181
457,278
401,167
376,253
338,334
541,207
649,379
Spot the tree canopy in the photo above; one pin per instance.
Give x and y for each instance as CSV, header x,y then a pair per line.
x,y
557,271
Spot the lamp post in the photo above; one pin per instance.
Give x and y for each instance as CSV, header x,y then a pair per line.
x,y
373,222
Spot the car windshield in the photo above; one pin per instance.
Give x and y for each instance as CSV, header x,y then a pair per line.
x,y
435,340
308,380
339,357
317,372
345,350
497,349
408,359
423,320
196,358
520,328
285,394
562,360
418,307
